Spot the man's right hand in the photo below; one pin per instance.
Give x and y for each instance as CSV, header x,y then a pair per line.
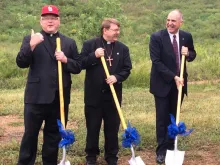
x,y
99,52
36,38
179,82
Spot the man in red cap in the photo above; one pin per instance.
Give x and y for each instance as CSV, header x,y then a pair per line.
x,y
38,53
51,9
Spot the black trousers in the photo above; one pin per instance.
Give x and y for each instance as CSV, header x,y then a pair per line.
x,y
34,115
165,106
107,112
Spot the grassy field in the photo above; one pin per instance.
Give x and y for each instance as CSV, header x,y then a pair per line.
x,y
140,18
81,20
200,111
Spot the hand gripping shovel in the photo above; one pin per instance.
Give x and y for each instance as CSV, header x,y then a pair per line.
x,y
67,135
176,157
131,135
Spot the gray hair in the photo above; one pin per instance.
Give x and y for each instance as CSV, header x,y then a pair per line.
x,y
179,12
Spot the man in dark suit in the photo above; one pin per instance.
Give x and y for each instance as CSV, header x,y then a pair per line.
x,y
166,50
41,99
99,103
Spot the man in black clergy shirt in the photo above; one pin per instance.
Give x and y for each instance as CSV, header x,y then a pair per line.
x,y
41,94
99,103
166,50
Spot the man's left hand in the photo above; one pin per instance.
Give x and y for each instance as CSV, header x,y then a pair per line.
x,y
60,56
111,80
185,51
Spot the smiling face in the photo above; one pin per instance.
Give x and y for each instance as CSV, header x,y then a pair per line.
x,y
110,29
50,23
174,21
111,34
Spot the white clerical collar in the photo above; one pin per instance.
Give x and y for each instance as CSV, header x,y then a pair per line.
x,y
52,34
108,42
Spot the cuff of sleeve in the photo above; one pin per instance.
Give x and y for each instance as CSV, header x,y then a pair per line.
x,y
28,48
93,59
169,78
65,65
118,78
188,58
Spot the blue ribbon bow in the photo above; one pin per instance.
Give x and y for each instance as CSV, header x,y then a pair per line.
x,y
130,136
174,130
67,136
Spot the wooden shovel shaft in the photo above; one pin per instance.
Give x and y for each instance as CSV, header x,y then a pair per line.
x,y
114,95
60,77
180,91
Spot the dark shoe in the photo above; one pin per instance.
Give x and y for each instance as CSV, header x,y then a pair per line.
x,y
111,159
90,162
160,159
112,163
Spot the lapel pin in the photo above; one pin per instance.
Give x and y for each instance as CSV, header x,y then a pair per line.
x,y
182,38
117,53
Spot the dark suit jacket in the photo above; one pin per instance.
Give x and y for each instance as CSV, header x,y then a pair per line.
x,y
95,75
163,59
42,80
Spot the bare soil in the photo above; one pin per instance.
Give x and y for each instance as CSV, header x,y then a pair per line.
x,y
11,127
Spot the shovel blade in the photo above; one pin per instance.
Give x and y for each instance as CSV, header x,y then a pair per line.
x,y
64,163
175,157
67,162
136,161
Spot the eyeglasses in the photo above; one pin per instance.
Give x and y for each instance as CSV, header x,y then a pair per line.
x,y
114,30
49,18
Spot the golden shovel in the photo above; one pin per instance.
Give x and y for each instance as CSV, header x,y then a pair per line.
x,y
176,157
134,160
62,116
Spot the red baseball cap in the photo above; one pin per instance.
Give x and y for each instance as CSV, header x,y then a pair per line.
x,y
49,9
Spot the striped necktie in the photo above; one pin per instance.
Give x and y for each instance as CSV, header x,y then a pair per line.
x,y
176,52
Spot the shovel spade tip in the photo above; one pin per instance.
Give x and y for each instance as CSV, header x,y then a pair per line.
x,y
175,157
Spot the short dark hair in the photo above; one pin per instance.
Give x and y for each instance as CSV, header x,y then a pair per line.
x,y
107,22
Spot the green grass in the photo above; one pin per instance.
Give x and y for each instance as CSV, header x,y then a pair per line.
x,y
200,111
139,19
16,124
204,67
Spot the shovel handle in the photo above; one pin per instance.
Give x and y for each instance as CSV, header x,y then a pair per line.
x,y
114,95
180,91
60,77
